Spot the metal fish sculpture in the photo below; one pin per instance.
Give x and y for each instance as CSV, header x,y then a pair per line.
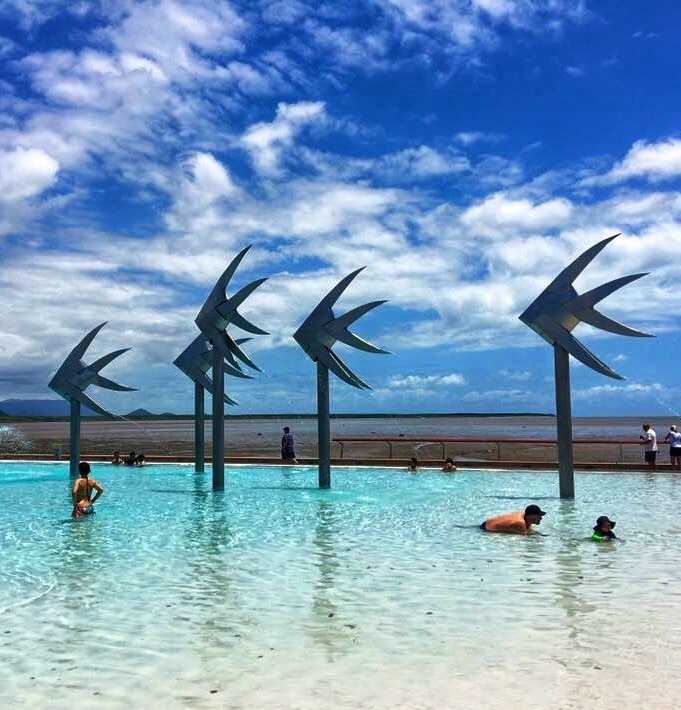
x,y
219,311
74,375
197,358
559,308
321,329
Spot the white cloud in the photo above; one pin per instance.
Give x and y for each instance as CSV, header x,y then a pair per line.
x,y
468,138
651,161
500,212
629,389
265,142
25,173
425,381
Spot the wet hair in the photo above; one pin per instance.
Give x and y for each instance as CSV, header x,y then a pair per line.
x,y
449,459
84,468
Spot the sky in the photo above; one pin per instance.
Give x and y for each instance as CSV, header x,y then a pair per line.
x,y
463,151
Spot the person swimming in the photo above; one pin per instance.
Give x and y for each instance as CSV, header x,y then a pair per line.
x,y
520,522
603,529
449,465
83,504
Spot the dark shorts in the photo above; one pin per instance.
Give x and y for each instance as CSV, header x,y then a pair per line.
x,y
288,454
650,456
675,451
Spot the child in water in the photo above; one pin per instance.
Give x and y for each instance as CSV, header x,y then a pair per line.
x,y
603,529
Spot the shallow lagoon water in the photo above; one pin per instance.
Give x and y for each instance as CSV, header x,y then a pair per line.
x,y
380,593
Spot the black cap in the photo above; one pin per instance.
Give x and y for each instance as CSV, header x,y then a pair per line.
x,y
603,519
534,510
285,428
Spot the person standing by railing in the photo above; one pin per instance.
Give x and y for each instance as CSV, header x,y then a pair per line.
x,y
649,444
674,439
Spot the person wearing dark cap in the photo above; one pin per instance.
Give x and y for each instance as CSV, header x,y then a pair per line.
x,y
288,453
603,529
520,522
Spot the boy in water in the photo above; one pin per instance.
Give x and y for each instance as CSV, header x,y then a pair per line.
x,y
603,529
83,503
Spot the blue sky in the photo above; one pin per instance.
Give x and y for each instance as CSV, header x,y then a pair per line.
x,y
464,151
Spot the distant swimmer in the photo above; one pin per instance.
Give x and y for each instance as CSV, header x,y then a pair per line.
x,y
603,529
117,459
413,464
83,501
520,522
449,465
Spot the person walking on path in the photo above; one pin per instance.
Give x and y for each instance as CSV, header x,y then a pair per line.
x,y
674,439
288,452
649,444
83,502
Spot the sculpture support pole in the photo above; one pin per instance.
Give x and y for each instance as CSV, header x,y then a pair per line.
x,y
323,426
566,474
74,439
218,421
199,432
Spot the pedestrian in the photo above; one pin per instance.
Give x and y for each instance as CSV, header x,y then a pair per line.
x,y
649,444
674,439
288,452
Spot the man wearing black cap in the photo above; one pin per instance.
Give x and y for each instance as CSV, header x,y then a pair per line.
x,y
519,523
288,453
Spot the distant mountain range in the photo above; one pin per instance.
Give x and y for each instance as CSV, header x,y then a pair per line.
x,y
51,408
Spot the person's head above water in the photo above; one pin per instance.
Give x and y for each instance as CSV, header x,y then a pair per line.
x,y
534,514
84,469
604,524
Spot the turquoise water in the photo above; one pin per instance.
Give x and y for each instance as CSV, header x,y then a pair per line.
x,y
381,593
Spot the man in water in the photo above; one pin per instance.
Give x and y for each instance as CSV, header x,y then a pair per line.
x,y
83,502
649,444
519,523
288,453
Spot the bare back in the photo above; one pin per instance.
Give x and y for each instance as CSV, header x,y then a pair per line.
x,y
509,523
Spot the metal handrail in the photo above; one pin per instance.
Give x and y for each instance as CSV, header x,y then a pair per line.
x,y
498,441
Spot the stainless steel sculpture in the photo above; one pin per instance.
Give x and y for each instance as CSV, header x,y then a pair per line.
x,y
553,315
70,382
217,313
317,336
195,361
